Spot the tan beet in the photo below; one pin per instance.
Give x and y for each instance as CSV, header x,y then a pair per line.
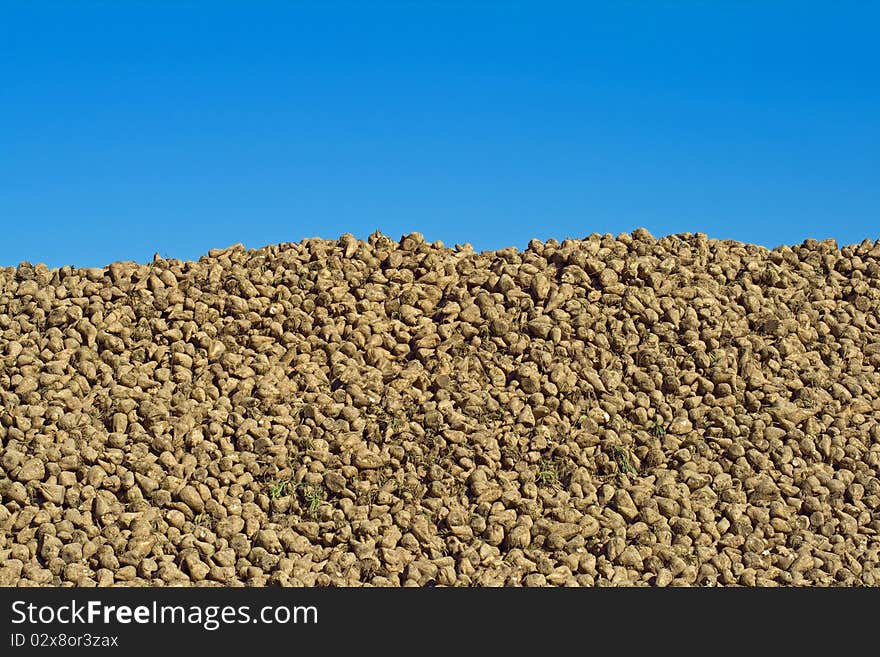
x,y
607,411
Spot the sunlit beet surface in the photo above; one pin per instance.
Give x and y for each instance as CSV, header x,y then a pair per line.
x,y
610,410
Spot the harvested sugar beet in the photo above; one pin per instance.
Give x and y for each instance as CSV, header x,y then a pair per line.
x,y
605,411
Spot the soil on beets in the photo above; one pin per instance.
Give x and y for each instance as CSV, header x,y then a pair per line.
x,y
608,411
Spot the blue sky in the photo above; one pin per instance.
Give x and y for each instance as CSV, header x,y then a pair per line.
x,y
128,128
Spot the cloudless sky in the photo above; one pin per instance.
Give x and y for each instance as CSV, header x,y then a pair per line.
x,y
134,127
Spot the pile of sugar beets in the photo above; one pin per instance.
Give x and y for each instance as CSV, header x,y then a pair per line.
x,y
607,411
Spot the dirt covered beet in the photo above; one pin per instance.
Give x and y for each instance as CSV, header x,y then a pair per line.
x,y
605,411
